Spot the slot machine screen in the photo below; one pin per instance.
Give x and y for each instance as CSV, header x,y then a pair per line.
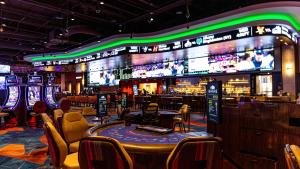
x,y
33,95
13,96
49,95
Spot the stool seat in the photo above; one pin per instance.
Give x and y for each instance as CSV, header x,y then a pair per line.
x,y
33,114
3,114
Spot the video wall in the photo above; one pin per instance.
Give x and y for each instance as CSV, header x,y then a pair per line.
x,y
193,62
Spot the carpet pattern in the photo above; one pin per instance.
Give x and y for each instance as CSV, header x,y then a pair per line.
x,y
26,148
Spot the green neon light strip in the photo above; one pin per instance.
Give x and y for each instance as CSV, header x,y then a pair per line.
x,y
188,32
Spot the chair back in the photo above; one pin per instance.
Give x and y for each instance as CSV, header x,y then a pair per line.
x,y
150,112
196,153
89,111
56,114
74,126
103,153
292,156
57,147
185,110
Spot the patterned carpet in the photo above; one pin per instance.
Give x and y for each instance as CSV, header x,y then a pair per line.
x,y
26,148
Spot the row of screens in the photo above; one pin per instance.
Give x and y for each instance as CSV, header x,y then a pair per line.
x,y
258,60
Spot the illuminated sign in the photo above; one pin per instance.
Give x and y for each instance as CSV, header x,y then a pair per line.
x,y
239,33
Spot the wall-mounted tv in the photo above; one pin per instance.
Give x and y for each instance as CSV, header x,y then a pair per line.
x,y
104,77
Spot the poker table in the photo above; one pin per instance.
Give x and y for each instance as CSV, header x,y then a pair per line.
x,y
149,150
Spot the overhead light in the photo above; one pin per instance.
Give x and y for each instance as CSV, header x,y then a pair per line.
x,y
285,43
72,19
101,3
60,34
281,40
45,42
2,2
120,30
179,13
150,20
277,37
99,41
4,25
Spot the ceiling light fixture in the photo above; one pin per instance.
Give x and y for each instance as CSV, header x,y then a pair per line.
x,y
101,3
2,3
60,34
72,19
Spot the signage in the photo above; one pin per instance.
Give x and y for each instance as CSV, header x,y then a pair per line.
x,y
239,33
214,101
35,80
101,106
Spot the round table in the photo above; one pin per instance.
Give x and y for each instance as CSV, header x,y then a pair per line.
x,y
147,149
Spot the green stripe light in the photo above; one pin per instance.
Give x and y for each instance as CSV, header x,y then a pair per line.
x,y
185,33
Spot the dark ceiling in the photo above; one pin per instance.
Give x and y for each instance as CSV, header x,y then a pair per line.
x,y
35,26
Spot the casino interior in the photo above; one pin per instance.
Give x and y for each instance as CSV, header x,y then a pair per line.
x,y
149,85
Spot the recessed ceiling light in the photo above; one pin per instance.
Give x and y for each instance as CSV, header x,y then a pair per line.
x,y
2,2
277,37
102,3
179,13
60,34
285,43
4,25
281,40
45,42
72,19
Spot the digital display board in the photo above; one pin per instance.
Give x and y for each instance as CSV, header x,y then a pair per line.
x,y
4,69
105,77
35,79
101,106
214,101
11,79
170,68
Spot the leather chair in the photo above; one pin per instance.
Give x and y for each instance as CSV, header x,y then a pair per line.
x,y
184,117
58,149
74,127
292,156
196,152
46,118
150,114
103,153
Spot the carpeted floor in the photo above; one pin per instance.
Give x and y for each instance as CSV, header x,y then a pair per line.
x,y
26,148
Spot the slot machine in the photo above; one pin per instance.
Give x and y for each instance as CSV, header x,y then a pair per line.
x,y
50,90
13,93
33,92
13,101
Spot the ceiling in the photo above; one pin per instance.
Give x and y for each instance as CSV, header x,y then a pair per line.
x,y
38,26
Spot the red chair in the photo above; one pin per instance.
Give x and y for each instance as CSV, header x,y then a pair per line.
x,y
196,152
103,153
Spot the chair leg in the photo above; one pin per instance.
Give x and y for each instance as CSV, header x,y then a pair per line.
x,y
183,127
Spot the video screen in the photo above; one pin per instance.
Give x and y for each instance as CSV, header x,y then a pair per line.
x,y
198,65
222,63
105,77
4,69
2,82
256,60
135,90
13,96
148,88
171,68
11,79
33,95
49,95
102,101
35,79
